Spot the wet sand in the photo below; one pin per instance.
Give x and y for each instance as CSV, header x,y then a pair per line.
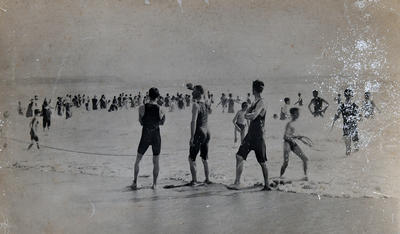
x,y
61,203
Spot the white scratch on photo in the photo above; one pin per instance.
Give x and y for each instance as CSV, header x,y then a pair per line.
x,y
93,209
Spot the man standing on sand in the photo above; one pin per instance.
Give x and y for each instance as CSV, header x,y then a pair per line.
x,y
151,117
254,140
199,134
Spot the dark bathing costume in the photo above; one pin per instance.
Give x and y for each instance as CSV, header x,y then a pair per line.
x,y
241,126
151,130
349,112
317,106
254,139
291,143
201,135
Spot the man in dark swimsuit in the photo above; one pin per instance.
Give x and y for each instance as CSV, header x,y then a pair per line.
x,y
317,102
94,103
46,116
29,110
254,140
199,134
151,117
351,116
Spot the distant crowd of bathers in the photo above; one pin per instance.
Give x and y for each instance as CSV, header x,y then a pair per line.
x,y
249,121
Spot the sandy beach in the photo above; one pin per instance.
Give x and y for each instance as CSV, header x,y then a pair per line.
x,y
76,182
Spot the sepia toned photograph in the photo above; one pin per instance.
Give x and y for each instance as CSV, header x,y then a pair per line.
x,y
199,116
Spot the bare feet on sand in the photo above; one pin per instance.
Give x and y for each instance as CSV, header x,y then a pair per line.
x,y
266,188
133,186
207,181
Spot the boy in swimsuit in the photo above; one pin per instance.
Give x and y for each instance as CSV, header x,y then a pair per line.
x,y
299,100
151,117
199,134
284,109
240,122
254,139
289,143
318,103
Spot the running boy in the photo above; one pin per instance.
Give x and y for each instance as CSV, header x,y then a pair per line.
x,y
199,134
151,117
254,140
289,143
350,115
240,122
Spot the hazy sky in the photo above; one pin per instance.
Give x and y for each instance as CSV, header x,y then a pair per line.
x,y
225,40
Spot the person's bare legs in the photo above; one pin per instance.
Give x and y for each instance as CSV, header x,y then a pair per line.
x,y
286,151
235,134
136,170
347,141
156,170
242,135
356,145
265,175
192,165
304,158
30,145
206,172
239,169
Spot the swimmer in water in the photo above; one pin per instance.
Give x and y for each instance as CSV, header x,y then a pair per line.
x,y
318,102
